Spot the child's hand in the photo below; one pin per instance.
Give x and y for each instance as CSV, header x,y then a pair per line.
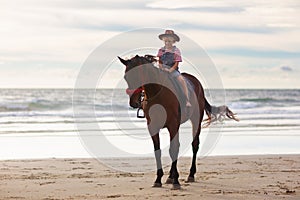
x,y
167,70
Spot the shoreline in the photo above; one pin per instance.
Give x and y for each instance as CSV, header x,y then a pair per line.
x,y
150,157
66,146
217,177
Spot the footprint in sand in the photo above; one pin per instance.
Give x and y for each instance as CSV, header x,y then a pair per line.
x,y
114,196
47,183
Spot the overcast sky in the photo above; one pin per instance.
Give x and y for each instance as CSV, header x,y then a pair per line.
x,y
254,43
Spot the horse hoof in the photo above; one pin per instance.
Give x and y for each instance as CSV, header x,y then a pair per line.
x,y
169,181
190,179
176,187
156,185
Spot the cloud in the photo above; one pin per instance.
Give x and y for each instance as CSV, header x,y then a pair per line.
x,y
61,34
78,4
263,77
189,6
286,68
38,77
256,53
209,6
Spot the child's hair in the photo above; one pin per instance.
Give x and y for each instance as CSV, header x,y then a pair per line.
x,y
169,38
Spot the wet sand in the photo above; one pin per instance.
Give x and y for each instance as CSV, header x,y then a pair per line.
x,y
227,177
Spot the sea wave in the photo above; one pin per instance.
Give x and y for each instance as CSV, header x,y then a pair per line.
x,y
258,99
270,100
269,103
242,105
58,103
45,105
69,113
33,105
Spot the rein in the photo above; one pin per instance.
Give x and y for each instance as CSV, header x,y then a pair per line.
x,y
146,99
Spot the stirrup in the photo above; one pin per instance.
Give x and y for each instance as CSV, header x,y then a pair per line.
x,y
140,114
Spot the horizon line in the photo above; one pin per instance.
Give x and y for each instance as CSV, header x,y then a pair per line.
x,y
70,88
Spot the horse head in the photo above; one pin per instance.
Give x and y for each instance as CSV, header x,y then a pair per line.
x,y
136,76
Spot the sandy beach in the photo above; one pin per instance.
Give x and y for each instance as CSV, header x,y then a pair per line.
x,y
227,177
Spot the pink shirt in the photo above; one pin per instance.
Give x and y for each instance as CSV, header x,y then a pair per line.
x,y
176,51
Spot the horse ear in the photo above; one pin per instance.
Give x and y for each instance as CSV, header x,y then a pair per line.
x,y
123,61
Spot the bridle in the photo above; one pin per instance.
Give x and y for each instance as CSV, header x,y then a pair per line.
x,y
131,92
142,89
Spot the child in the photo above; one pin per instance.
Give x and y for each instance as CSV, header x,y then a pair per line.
x,y
169,58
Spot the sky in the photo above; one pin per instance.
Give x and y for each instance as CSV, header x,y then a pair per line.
x,y
253,44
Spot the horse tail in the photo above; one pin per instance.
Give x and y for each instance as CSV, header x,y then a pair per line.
x,y
207,108
217,113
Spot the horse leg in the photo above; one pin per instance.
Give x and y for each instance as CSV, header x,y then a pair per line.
x,y
196,123
170,178
174,151
195,145
157,152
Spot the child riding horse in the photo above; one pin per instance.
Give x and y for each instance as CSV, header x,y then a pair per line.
x,y
163,110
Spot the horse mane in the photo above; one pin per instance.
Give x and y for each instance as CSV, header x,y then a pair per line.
x,y
146,59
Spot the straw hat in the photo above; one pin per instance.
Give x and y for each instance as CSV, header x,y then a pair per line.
x,y
169,33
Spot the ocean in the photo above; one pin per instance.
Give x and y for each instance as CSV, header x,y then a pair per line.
x,y
38,123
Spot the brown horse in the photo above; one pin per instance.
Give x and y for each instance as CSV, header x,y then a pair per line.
x,y
163,109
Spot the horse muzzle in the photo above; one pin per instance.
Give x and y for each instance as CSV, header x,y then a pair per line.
x,y
134,97
131,92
